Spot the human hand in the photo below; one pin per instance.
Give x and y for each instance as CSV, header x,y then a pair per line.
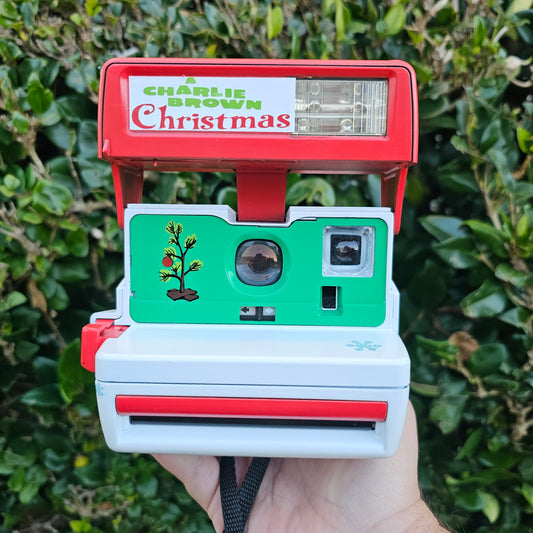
x,y
321,495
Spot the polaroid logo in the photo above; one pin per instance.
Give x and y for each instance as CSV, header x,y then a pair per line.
x,y
163,103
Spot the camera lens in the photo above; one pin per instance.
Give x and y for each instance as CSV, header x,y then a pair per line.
x,y
258,262
345,249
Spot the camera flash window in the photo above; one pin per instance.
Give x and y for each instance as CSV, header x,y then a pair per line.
x,y
356,107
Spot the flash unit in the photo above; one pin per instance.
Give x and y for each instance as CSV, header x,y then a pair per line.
x,y
265,331
341,107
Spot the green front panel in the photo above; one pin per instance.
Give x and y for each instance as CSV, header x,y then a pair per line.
x,y
216,295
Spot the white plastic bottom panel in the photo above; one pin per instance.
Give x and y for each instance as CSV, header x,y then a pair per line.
x,y
322,436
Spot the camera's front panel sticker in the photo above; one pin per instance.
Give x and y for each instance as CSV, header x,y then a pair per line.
x,y
217,104
200,269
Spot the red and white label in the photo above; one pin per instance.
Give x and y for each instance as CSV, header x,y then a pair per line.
x,y
211,104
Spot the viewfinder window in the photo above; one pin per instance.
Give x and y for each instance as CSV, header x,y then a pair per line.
x,y
348,251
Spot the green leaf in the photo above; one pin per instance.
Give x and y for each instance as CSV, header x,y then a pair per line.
x,y
39,97
9,460
80,526
61,135
20,122
311,190
491,135
395,19
490,506
13,299
459,252
148,487
45,369
72,377
523,228
433,107
525,140
327,7
228,196
488,358
442,227
25,350
52,197
458,177
518,317
424,389
78,243
469,499
274,21
527,492
8,10
92,7
56,460
12,182
493,238
526,469
16,481
9,50
523,192
80,78
471,444
342,19
507,273
45,396
461,145
489,300
94,173
29,492
440,349
447,412
88,140
519,5
55,293
479,30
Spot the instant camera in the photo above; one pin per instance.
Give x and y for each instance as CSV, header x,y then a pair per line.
x,y
264,331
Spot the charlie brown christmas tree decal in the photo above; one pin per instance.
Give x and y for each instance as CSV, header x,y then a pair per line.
x,y
175,263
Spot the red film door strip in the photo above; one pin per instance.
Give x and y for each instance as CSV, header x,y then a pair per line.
x,y
271,408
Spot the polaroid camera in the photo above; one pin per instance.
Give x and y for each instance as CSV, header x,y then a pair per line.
x,y
262,332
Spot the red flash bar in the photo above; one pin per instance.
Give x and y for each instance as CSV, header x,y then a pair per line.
x,y
260,119
265,408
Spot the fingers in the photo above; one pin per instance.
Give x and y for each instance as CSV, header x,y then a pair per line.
x,y
199,474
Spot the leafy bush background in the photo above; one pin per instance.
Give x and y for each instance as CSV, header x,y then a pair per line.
x,y
463,260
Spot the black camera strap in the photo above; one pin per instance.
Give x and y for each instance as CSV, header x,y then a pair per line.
x,y
237,502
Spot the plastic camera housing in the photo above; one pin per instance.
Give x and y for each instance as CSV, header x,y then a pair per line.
x,y
343,365
261,331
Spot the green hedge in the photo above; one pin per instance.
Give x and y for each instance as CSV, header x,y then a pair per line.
x,y
463,260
